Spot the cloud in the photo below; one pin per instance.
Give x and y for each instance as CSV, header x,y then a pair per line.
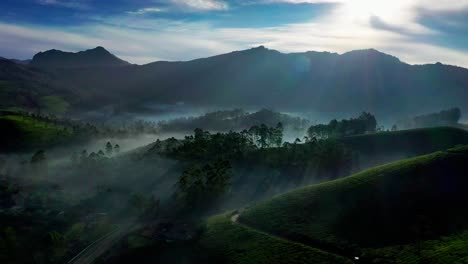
x,y
74,4
200,5
145,40
147,10
184,6
393,27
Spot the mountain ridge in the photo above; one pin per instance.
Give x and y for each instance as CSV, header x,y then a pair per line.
x,y
97,57
360,80
364,51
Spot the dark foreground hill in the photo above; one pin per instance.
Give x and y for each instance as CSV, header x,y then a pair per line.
x,y
379,148
411,211
351,82
402,203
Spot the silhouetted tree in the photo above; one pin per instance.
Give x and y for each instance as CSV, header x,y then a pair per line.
x,y
278,135
83,155
365,123
198,186
117,148
109,148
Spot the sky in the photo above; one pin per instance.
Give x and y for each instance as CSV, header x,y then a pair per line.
x,y
143,31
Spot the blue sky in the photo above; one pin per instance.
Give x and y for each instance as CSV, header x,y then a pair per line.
x,y
142,31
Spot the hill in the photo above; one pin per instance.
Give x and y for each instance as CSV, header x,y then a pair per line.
x,y
28,88
97,57
225,241
235,120
417,141
400,203
379,148
449,117
28,133
363,80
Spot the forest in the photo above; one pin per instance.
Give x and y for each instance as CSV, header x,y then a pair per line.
x,y
73,197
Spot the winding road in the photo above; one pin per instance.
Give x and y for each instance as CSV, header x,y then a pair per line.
x,y
235,220
103,244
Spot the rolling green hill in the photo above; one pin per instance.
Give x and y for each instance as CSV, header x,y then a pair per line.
x,y
413,141
27,133
230,242
385,211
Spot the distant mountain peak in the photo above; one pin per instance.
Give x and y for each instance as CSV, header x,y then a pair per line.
x,y
370,55
96,57
259,50
98,49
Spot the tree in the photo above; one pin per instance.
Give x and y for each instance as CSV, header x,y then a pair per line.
x,y
200,186
365,123
332,156
109,148
278,134
254,133
84,155
117,148
369,122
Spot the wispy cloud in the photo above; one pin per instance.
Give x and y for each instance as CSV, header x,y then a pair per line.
x,y
394,27
75,4
170,40
147,10
200,5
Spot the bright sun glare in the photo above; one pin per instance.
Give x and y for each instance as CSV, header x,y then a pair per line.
x,y
366,8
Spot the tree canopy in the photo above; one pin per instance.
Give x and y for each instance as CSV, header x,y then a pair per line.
x,y
365,123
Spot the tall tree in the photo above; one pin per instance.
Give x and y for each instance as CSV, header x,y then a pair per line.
x,y
109,148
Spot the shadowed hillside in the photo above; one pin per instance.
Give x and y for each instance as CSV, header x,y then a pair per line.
x,y
402,202
97,57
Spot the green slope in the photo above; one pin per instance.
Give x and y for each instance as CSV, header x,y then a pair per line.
x,y
27,133
413,141
225,241
448,249
403,202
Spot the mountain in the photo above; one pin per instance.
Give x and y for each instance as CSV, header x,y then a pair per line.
x,y
28,88
362,80
97,57
23,62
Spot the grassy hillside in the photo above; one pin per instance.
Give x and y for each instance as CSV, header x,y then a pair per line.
x,y
225,241
25,133
403,202
414,141
448,249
